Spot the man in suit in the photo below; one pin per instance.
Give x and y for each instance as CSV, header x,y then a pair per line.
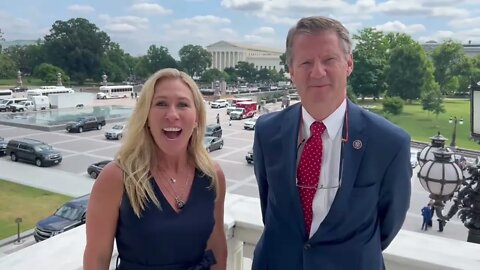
x,y
333,178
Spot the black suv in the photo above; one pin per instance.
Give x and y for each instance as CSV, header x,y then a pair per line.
x,y
3,146
213,130
86,123
72,214
33,151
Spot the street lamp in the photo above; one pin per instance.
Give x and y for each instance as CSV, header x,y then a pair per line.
x,y
443,179
454,120
426,154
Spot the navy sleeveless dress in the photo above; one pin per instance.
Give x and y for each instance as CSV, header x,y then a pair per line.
x,y
162,239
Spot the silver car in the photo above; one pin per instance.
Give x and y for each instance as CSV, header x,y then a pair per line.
x,y
212,143
116,132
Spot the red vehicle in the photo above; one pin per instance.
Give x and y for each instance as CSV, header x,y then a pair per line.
x,y
244,109
237,100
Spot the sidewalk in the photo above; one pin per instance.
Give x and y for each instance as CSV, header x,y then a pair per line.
x,y
49,179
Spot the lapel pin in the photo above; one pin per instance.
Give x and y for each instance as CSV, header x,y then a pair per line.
x,y
357,144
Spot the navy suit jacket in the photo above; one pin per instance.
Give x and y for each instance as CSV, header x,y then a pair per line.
x,y
369,207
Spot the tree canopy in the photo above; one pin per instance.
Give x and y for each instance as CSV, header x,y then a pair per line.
x,y
194,59
77,46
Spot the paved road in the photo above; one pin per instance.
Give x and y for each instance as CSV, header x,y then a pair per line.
x,y
81,150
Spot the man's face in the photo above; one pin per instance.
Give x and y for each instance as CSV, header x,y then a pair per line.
x,y
319,69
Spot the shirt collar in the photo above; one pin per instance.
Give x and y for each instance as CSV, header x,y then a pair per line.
x,y
333,122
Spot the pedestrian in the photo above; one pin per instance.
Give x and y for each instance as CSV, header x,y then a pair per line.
x,y
441,224
427,216
333,178
230,122
218,119
136,96
161,181
131,94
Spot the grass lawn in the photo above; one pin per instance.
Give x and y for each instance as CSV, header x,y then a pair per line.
x,y
30,204
421,124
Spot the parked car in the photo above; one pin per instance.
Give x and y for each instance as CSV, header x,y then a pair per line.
x,y
3,146
70,215
213,130
86,123
250,124
116,132
249,156
22,106
95,169
213,143
33,151
219,103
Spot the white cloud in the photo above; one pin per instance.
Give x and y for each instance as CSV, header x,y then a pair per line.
x,y
248,5
150,8
19,28
449,12
126,24
397,26
464,22
402,7
81,8
265,30
200,20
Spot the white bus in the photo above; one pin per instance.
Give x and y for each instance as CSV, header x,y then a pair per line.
x,y
49,90
115,91
6,94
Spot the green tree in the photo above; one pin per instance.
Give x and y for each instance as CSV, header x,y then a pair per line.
x,y
410,72
432,101
48,73
446,59
232,75
194,59
371,59
77,46
212,75
114,64
158,58
8,69
246,71
393,105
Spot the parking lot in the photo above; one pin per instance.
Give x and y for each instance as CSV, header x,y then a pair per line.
x,y
80,150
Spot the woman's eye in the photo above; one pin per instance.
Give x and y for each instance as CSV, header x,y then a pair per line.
x,y
182,104
161,103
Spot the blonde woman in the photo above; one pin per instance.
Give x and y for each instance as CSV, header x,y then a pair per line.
x,y
162,198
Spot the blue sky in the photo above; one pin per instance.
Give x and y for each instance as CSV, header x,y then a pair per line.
x,y
136,24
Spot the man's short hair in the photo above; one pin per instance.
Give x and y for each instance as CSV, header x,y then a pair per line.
x,y
316,24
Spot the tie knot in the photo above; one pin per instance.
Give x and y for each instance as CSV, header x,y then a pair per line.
x,y
317,129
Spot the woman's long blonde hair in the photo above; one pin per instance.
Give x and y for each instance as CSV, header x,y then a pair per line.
x,y
138,147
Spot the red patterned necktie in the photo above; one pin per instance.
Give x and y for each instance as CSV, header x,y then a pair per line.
x,y
308,171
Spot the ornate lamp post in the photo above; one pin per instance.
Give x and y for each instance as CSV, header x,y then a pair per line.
x,y
454,120
426,154
443,178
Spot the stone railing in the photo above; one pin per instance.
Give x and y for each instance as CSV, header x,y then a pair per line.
x,y
409,250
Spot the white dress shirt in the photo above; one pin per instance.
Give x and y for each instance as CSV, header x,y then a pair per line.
x,y
330,167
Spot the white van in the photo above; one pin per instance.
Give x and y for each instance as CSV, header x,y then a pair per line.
x,y
40,103
5,103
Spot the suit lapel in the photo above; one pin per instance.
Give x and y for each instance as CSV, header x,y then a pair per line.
x,y
352,153
289,135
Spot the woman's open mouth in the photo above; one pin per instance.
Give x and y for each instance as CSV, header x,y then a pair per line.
x,y
172,132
